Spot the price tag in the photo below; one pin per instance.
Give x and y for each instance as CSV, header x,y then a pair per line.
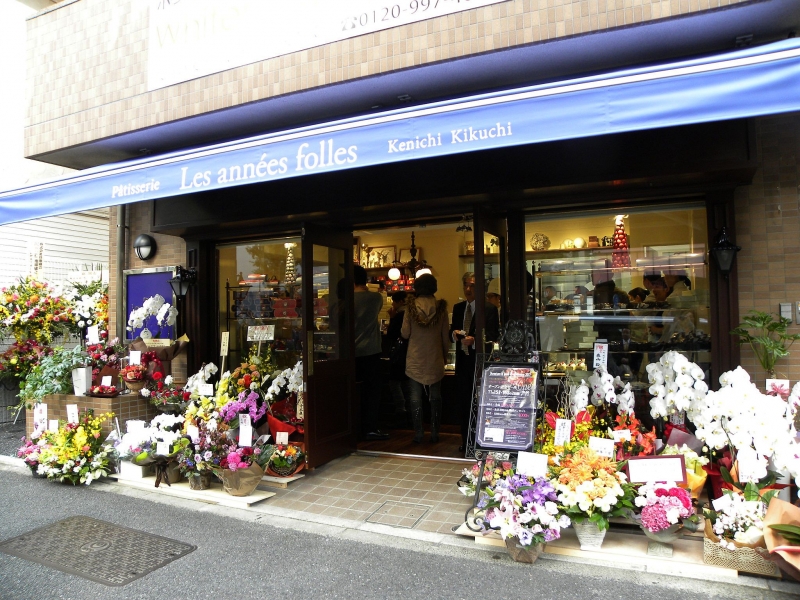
x,y
72,413
93,334
260,333
600,355
223,347
162,448
193,431
621,434
135,357
282,437
563,432
106,380
52,425
532,464
603,446
245,431
206,389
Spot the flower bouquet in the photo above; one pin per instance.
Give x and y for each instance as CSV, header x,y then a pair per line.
x,y
31,310
157,443
695,474
165,316
133,376
75,452
240,469
20,358
246,402
492,472
29,452
666,511
199,456
106,359
287,460
104,391
525,512
163,394
591,490
734,533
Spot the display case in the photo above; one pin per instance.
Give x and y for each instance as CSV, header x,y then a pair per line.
x,y
583,298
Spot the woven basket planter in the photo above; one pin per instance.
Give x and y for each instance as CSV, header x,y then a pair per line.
x,y
745,558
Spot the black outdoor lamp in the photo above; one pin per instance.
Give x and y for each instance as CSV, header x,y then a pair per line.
x,y
724,252
145,247
183,280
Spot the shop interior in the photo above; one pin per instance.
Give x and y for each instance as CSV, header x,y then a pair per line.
x,y
659,299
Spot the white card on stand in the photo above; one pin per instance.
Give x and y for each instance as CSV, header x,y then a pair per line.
x,y
52,425
603,446
93,334
563,432
282,437
106,380
162,448
72,413
206,389
245,431
135,357
532,464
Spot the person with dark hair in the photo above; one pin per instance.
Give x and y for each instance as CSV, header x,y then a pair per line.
x,y
462,331
637,295
368,306
398,381
426,329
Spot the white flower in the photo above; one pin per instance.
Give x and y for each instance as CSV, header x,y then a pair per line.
x,y
168,380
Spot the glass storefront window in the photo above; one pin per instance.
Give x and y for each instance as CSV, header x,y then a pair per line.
x,y
261,301
637,279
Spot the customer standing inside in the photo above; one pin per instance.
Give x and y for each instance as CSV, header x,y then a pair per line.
x,y
462,331
426,329
368,306
398,381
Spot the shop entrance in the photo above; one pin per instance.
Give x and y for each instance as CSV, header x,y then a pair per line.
x,y
392,258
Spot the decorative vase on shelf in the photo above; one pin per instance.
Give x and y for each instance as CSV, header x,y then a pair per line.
x,y
523,554
134,385
589,536
665,536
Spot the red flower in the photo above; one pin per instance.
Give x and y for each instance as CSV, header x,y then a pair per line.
x,y
186,395
157,375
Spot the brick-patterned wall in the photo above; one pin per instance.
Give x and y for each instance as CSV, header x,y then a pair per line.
x,y
170,251
125,407
768,230
87,61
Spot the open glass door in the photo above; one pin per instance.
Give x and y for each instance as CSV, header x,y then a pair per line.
x,y
330,403
491,266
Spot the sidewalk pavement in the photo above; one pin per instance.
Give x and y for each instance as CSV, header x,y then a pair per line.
x,y
202,519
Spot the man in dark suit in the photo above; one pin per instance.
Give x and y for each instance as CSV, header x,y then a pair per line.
x,y
462,331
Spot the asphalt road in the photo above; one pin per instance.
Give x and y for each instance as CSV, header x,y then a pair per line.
x,y
245,555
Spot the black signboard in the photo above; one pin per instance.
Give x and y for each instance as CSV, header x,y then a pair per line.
x,y
507,407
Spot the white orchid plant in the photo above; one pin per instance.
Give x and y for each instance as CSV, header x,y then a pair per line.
x,y
154,306
601,388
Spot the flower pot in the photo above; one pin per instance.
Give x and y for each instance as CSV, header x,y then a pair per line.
x,y
242,482
590,537
199,482
35,472
134,384
665,536
81,380
746,557
523,554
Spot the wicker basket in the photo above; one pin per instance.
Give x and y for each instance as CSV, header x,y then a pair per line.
x,y
746,558
523,554
134,385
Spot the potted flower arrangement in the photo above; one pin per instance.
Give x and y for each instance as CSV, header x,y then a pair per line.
x,y
20,358
30,309
525,512
53,375
165,316
246,402
106,359
75,453
198,457
134,376
492,472
240,468
29,452
156,443
591,490
286,460
104,391
163,394
734,532
90,300
666,511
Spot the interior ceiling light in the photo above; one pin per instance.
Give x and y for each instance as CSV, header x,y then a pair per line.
x,y
404,97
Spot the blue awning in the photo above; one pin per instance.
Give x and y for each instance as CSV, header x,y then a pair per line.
x,y
751,82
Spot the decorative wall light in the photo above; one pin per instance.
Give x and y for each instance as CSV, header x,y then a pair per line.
x,y
183,280
145,247
724,252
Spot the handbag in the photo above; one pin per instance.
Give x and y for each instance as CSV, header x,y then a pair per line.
x,y
397,358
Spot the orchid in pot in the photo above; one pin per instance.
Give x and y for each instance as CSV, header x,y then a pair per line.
x,y
165,316
526,513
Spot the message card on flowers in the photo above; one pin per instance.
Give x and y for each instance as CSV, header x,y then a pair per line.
x,y
667,468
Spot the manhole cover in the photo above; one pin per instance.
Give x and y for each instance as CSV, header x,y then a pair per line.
x,y
399,514
106,553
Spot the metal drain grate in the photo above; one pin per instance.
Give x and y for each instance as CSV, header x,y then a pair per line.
x,y
399,514
96,550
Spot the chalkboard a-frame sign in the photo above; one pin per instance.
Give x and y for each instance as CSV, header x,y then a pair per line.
x,y
507,407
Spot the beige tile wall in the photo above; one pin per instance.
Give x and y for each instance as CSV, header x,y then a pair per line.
x,y
768,230
87,60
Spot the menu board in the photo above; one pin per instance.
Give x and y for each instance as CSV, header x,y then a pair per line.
x,y
507,408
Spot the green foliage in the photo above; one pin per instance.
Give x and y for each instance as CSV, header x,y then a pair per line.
x,y
53,375
790,532
752,491
769,340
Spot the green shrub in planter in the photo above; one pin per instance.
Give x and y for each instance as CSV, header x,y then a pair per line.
x,y
53,375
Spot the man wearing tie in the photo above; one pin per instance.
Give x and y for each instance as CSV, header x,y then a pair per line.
x,y
462,331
